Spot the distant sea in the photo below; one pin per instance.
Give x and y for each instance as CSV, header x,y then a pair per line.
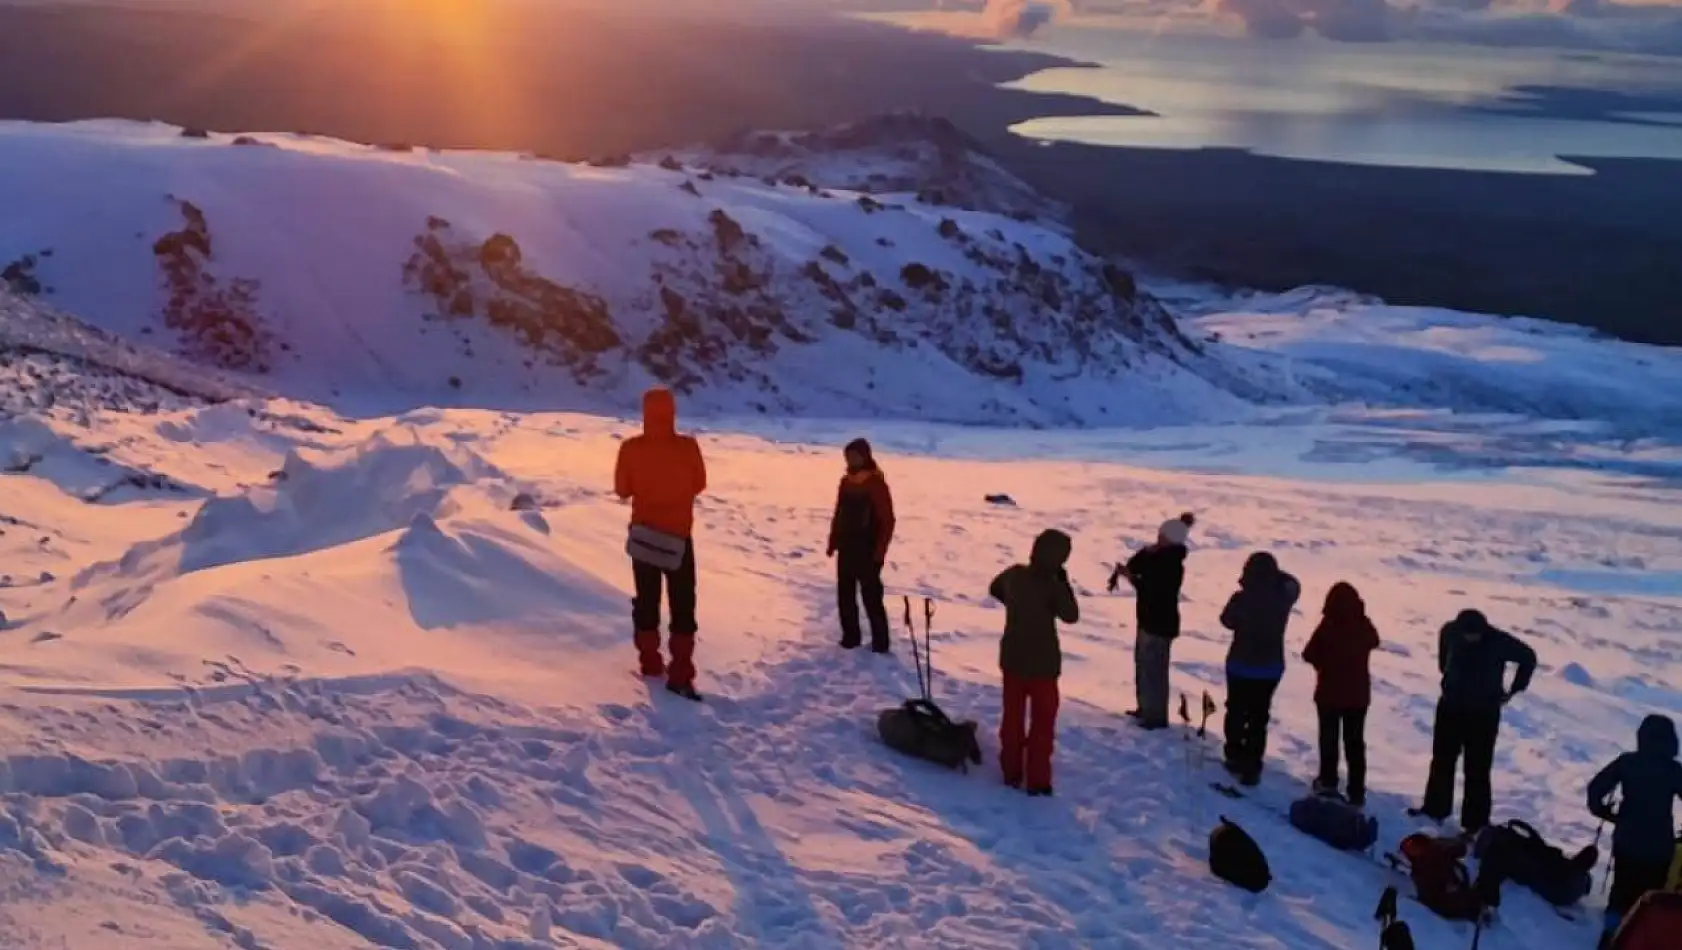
x,y
1436,106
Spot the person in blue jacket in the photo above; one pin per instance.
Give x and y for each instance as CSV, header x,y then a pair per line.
x,y
1649,781
1255,663
1473,657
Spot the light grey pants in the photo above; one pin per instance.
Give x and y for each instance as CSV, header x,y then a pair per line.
x,y
1150,672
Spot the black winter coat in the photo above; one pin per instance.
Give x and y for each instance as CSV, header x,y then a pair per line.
x,y
1650,780
1157,574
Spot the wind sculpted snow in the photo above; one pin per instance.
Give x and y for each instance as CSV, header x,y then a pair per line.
x,y
384,705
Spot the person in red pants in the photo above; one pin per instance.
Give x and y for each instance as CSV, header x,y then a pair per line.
x,y
660,473
1036,596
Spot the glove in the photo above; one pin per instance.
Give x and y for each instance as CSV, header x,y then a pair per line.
x,y
1115,581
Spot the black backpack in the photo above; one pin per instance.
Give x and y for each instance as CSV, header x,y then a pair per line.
x,y
1520,855
920,728
1235,858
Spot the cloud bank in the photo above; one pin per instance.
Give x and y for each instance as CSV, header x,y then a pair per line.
x,y
1589,25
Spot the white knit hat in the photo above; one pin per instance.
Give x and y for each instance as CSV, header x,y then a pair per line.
x,y
1174,531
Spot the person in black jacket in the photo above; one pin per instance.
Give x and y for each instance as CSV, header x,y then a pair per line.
x,y
1255,663
1156,572
859,534
1644,840
1473,657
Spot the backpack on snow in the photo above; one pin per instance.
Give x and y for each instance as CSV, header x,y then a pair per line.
x,y
1652,924
1526,859
920,728
1440,878
1336,822
1235,858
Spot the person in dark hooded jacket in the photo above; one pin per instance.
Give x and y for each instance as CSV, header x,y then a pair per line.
x,y
859,534
1340,652
1644,840
1036,596
1473,657
1257,615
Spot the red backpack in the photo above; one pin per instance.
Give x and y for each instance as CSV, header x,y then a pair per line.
x,y
1440,877
1653,924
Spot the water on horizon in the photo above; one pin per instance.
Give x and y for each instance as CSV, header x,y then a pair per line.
x,y
1379,104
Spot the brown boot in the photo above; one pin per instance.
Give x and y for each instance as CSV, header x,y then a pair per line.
x,y
648,653
680,675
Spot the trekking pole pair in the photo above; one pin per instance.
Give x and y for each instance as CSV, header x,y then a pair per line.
x,y
925,683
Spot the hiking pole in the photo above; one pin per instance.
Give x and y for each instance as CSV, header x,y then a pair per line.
x,y
911,630
928,641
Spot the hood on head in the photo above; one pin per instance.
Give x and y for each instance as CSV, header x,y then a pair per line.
x,y
1471,621
862,447
1657,737
659,412
1260,570
1343,601
1051,549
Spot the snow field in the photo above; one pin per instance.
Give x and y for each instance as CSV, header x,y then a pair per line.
x,y
367,703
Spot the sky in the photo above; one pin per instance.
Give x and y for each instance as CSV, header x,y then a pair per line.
x,y
1630,26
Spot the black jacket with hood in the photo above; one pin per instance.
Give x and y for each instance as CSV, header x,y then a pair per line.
x,y
1257,616
1650,780
1036,595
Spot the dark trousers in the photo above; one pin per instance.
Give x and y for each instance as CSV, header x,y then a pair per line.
x,y
1028,729
1470,732
1631,878
1249,708
680,594
1349,725
858,576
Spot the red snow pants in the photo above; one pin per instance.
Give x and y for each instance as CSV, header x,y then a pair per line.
x,y
1027,729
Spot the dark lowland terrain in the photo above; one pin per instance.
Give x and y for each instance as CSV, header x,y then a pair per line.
x,y
585,78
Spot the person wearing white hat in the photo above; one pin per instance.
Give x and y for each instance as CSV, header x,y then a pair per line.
x,y
1156,572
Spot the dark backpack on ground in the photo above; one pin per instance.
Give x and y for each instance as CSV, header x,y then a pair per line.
x,y
1334,821
1526,859
921,729
1440,878
1235,858
1652,924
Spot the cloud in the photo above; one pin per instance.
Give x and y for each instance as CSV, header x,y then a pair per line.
x,y
1631,26
1018,19
1364,21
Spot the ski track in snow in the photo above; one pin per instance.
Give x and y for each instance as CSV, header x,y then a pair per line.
x,y
364,703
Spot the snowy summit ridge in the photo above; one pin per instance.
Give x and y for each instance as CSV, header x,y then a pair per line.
x,y
885,266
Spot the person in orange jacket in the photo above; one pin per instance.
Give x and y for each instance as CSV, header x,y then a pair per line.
x,y
661,473
859,534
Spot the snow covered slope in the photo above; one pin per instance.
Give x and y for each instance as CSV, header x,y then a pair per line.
x,y
342,686
412,277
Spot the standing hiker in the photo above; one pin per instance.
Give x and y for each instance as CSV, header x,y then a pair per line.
x,y
1644,840
1255,663
1036,595
859,535
661,473
1473,657
1156,572
1340,652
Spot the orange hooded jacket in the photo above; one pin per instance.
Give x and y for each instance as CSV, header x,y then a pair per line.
x,y
660,471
